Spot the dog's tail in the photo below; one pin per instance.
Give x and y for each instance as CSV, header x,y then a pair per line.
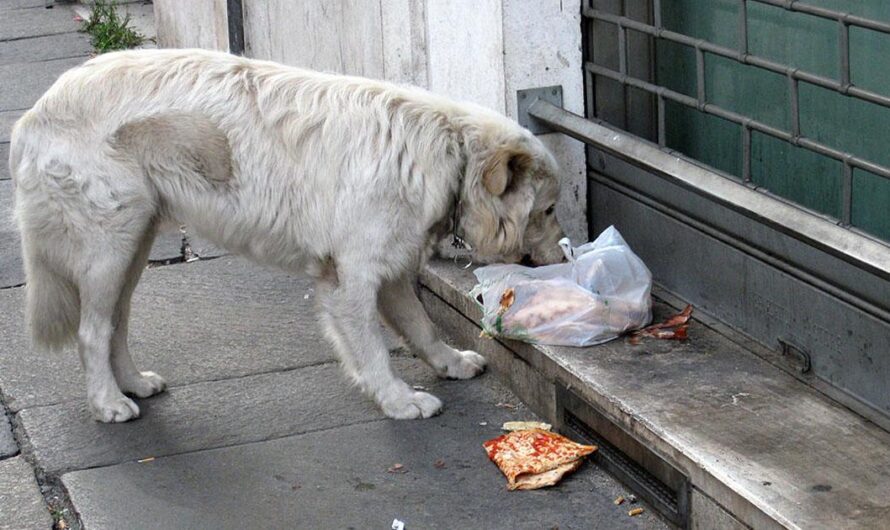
x,y
52,301
52,305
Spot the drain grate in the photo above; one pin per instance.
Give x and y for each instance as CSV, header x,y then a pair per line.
x,y
650,476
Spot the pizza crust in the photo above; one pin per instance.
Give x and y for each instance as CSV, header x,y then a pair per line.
x,y
542,480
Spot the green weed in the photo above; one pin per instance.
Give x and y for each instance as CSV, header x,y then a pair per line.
x,y
108,31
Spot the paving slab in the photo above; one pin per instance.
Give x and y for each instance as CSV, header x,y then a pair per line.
x,y
197,416
338,478
752,437
8,447
21,504
29,23
222,413
21,4
7,119
45,48
190,322
23,84
11,272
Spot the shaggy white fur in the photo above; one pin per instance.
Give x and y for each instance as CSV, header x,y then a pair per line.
x,y
349,180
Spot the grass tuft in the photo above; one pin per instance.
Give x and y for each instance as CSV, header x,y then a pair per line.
x,y
108,31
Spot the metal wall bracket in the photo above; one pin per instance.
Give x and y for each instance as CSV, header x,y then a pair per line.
x,y
796,356
524,100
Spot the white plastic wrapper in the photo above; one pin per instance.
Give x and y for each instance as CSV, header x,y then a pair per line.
x,y
603,291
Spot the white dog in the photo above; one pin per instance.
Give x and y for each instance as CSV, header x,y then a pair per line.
x,y
350,180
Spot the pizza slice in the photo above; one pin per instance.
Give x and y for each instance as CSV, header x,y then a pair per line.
x,y
535,458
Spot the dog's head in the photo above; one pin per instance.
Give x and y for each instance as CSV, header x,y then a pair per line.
x,y
509,195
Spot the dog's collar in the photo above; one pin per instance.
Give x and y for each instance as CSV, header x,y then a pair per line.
x,y
459,245
457,238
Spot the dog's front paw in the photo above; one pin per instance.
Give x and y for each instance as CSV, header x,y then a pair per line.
x,y
114,410
465,365
406,404
143,385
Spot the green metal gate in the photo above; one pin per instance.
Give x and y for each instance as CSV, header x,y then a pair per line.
x,y
792,98
739,147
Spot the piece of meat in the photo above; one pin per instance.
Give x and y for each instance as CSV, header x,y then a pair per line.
x,y
674,328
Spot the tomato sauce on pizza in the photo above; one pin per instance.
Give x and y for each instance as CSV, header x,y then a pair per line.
x,y
535,458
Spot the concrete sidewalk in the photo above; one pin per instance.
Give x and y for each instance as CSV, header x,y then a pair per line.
x,y
259,428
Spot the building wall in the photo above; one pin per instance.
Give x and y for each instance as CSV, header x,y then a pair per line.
x,y
192,24
476,50
542,47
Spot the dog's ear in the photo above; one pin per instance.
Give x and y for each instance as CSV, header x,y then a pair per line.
x,y
502,167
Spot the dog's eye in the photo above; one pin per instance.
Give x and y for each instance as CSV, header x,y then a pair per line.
x,y
549,211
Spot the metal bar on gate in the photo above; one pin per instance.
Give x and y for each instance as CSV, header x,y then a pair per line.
x,y
746,153
753,60
822,12
700,77
734,117
863,252
622,49
662,129
847,195
843,37
794,93
656,11
743,28
622,61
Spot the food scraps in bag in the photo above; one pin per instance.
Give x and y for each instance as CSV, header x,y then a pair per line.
x,y
535,458
674,328
602,292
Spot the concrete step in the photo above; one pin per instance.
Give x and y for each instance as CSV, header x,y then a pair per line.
x,y
735,440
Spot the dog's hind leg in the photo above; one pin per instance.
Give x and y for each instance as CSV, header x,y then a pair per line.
x,y
129,378
349,314
402,310
100,289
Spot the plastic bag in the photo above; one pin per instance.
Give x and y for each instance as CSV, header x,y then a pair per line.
x,y
602,292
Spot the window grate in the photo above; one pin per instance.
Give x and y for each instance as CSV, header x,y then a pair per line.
x,y
794,134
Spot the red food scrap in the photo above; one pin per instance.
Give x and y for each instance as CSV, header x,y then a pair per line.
x,y
674,328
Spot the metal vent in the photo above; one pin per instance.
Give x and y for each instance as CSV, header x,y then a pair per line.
x,y
652,478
